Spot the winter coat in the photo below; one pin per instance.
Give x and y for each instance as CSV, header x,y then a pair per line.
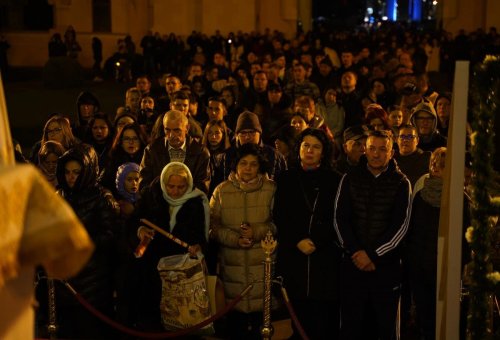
x,y
189,227
303,209
414,165
230,205
96,209
422,239
372,213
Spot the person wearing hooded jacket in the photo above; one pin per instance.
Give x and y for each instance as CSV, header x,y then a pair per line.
x,y
424,118
87,105
77,180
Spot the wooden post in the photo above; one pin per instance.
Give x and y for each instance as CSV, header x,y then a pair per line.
x,y
450,223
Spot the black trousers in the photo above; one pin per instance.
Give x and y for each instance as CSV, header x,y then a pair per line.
x,y
244,326
319,319
369,300
423,286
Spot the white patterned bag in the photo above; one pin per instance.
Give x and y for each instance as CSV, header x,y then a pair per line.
x,y
184,299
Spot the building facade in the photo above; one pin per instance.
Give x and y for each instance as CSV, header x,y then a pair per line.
x,y
112,20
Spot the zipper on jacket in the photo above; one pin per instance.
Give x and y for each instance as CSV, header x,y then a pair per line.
x,y
309,233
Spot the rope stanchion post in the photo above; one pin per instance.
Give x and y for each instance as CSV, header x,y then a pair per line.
x,y
52,325
268,244
164,335
293,316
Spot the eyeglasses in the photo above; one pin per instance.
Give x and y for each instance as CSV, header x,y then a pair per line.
x,y
247,133
407,137
130,139
54,131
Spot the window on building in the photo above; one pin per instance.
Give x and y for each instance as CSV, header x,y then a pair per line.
x,y
38,15
3,17
101,15
27,15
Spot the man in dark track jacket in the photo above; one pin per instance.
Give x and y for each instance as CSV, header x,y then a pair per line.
x,y
372,211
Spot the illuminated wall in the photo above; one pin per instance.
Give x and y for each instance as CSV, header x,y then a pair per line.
x,y
136,17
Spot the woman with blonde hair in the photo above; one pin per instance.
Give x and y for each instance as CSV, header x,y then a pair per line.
x,y
58,129
421,247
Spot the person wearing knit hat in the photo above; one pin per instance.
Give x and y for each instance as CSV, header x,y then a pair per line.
x,y
248,131
248,121
424,118
248,128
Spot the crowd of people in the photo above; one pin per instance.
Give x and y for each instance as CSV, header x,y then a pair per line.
x,y
333,142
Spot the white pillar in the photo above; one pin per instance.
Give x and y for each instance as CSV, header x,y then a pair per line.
x,y
450,222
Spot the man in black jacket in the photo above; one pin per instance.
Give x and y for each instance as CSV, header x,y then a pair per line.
x,y
177,146
372,210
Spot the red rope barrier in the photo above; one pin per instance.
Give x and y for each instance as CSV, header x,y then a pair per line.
x,y
296,322
130,331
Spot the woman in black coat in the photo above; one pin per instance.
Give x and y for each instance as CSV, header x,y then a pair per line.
x,y
96,208
174,205
308,257
421,245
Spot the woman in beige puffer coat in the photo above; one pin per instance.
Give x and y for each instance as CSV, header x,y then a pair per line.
x,y
240,211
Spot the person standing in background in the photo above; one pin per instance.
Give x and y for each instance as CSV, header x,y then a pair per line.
x,y
72,46
307,256
372,212
97,51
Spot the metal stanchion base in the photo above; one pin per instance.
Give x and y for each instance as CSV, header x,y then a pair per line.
x,y
267,332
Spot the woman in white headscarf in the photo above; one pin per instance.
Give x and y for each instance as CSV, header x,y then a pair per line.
x,y
174,205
